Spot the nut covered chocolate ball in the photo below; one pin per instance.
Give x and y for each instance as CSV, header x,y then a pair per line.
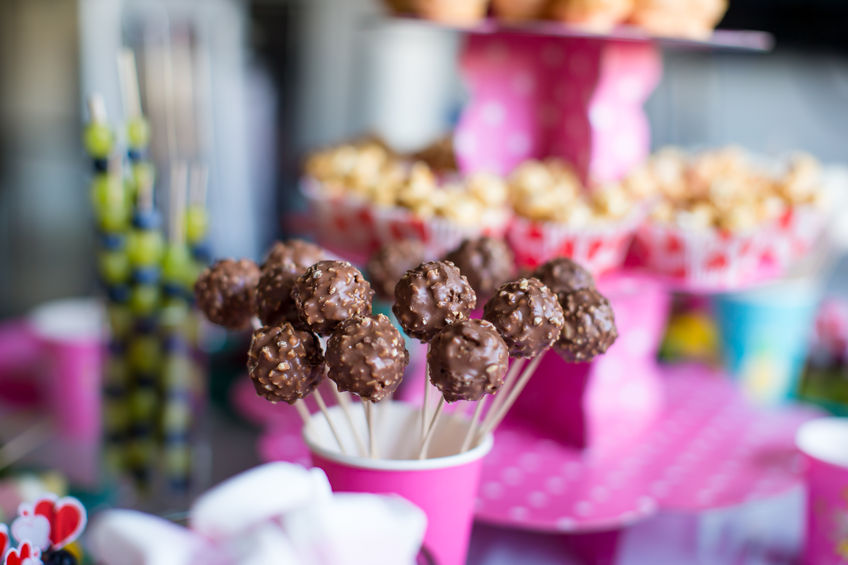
x,y
527,315
467,360
274,303
486,262
226,292
564,276
388,265
366,356
589,328
328,293
297,251
284,363
431,296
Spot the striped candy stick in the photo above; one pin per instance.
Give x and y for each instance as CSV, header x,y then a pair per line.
x,y
111,207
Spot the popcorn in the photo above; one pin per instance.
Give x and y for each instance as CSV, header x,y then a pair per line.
x,y
722,189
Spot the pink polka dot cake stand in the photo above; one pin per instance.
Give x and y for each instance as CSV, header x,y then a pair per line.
x,y
709,448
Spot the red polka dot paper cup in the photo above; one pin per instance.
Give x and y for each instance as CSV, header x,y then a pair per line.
x,y
599,248
708,259
444,486
355,226
824,445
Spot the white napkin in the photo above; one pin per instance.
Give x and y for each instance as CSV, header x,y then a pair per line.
x,y
276,513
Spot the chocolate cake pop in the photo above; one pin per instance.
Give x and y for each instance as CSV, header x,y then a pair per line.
x,y
589,328
564,276
297,251
486,262
430,297
366,356
328,293
274,303
391,262
226,292
527,315
284,363
467,360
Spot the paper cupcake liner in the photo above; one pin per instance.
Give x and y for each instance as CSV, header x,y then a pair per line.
x,y
797,232
356,226
708,259
600,249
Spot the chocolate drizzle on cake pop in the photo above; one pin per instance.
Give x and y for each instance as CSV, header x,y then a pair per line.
x,y
430,297
388,265
564,276
226,292
328,293
284,363
589,328
467,360
527,315
486,262
366,356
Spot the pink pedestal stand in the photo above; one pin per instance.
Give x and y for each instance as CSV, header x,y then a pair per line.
x,y
621,392
539,96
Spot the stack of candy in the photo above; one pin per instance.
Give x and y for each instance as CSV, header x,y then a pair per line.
x,y
111,205
719,218
292,305
694,19
153,375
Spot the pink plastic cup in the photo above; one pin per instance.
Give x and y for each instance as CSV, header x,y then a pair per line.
x,y
444,486
824,445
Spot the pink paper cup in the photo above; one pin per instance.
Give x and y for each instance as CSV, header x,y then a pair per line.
x,y
824,445
443,486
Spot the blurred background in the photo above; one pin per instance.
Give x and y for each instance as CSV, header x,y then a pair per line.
x,y
272,79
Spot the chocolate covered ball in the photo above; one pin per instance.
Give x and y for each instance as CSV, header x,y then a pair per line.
x,y
467,360
564,276
589,328
431,296
388,265
274,302
284,363
226,292
486,262
527,315
366,356
328,293
297,251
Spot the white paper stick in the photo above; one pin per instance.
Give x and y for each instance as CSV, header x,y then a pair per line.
x,y
475,422
344,402
372,444
513,396
433,424
300,405
500,397
320,400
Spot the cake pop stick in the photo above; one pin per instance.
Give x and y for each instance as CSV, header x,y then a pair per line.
x,y
425,445
343,401
498,416
509,382
529,318
323,407
475,424
369,420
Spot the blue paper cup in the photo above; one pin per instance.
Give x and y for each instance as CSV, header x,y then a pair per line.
x,y
764,334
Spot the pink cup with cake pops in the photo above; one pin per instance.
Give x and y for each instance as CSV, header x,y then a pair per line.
x,y
444,485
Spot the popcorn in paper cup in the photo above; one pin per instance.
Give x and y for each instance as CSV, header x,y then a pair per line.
x,y
557,216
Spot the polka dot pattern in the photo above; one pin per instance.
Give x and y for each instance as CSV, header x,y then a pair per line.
x,y
569,97
708,449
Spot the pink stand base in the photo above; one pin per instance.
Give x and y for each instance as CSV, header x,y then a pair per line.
x,y
707,449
